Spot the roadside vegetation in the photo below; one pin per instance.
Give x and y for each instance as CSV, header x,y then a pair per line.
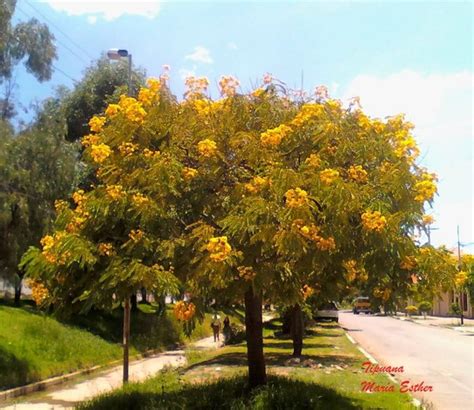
x,y
35,346
328,376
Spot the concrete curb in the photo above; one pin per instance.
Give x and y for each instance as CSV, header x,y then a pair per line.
x,y
43,385
452,327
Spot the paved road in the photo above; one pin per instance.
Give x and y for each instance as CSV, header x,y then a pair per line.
x,y
442,358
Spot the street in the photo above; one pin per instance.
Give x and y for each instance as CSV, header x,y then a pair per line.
x,y
442,358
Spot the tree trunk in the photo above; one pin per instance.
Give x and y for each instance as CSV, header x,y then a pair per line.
x,y
18,287
254,336
133,300
126,338
297,328
286,322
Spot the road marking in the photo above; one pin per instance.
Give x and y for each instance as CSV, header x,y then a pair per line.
x,y
350,339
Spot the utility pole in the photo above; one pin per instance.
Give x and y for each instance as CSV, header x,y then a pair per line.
x,y
461,294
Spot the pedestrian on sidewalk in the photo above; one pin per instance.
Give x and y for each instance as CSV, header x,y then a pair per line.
x,y
216,327
227,330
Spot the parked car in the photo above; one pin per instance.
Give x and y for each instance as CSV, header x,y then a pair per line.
x,y
328,311
362,304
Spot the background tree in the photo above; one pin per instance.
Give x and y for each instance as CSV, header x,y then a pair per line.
x,y
36,168
29,42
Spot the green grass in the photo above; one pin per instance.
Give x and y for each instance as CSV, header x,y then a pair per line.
x,y
35,346
217,379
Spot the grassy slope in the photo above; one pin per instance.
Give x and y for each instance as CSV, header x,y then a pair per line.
x,y
34,346
217,379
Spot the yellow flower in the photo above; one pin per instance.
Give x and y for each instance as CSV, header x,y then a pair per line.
x,y
147,153
60,205
357,173
115,192
90,139
307,113
256,184
78,197
313,161
274,136
140,199
135,113
112,110
207,148
184,311
373,221
189,173
258,92
47,242
425,189
325,244
39,292
96,123
296,197
100,153
127,148
136,235
460,278
428,219
195,86
145,96
153,84
351,269
408,263
105,249
219,248
228,85
307,291
246,273
328,176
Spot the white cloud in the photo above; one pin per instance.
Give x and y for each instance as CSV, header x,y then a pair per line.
x,y
200,55
107,9
232,46
440,106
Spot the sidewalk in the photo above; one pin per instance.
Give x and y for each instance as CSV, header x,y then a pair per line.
x,y
69,395
440,321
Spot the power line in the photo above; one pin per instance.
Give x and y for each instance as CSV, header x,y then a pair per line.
x,y
60,30
59,41
65,74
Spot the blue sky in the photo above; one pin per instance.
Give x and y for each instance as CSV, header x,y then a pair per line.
x,y
411,57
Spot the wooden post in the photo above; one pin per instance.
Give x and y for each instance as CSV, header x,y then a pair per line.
x,y
126,337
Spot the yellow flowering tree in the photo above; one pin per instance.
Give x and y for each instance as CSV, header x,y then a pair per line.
x,y
250,197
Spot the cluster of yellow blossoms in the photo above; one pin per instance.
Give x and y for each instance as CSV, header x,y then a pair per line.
x,y
140,199
105,249
219,248
307,291
136,235
80,213
207,148
296,198
148,153
184,311
307,113
313,161
228,85
189,173
127,148
195,86
408,263
328,176
90,139
100,152
407,147
311,232
256,184
373,221
273,137
357,173
96,123
383,294
460,279
132,108
39,292
48,243
112,110
115,192
246,273
425,189
428,219
351,269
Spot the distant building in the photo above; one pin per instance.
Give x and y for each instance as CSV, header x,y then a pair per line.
x,y
442,304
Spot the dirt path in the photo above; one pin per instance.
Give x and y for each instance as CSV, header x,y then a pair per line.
x,y
69,395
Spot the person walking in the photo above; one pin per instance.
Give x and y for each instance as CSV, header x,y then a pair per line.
x,y
216,327
227,330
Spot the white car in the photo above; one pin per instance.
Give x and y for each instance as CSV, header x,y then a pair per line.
x,y
327,311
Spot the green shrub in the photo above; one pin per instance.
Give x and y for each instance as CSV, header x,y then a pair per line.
x,y
455,309
411,310
424,306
